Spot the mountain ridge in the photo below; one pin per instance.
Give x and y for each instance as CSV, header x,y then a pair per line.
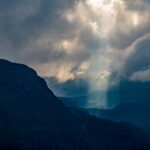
x,y
32,118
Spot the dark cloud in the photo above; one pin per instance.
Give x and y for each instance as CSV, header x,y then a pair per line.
x,y
23,21
138,5
139,59
122,40
68,33
132,22
90,40
36,33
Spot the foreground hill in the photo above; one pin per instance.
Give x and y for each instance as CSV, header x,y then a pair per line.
x,y
32,118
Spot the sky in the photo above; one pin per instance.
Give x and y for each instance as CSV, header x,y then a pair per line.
x,y
71,39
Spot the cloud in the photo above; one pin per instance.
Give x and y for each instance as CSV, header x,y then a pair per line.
x,y
104,74
139,56
72,38
138,5
136,65
35,33
88,45
131,22
142,75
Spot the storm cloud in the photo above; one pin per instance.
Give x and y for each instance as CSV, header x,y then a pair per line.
x,y
72,38
137,64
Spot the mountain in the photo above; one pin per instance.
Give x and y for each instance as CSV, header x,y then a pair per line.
x,y
69,88
134,91
90,100
133,107
135,113
76,93
32,118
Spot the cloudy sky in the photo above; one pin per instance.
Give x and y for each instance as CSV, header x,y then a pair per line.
x,y
78,38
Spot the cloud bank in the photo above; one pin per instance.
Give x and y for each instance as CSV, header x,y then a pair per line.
x,y
69,39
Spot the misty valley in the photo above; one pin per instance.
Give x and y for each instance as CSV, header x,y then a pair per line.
x,y
125,102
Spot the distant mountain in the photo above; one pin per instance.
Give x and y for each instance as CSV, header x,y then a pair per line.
x,y
90,100
132,91
32,118
69,88
76,93
133,107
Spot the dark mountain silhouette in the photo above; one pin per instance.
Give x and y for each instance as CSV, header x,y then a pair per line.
x,y
133,107
134,91
32,118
